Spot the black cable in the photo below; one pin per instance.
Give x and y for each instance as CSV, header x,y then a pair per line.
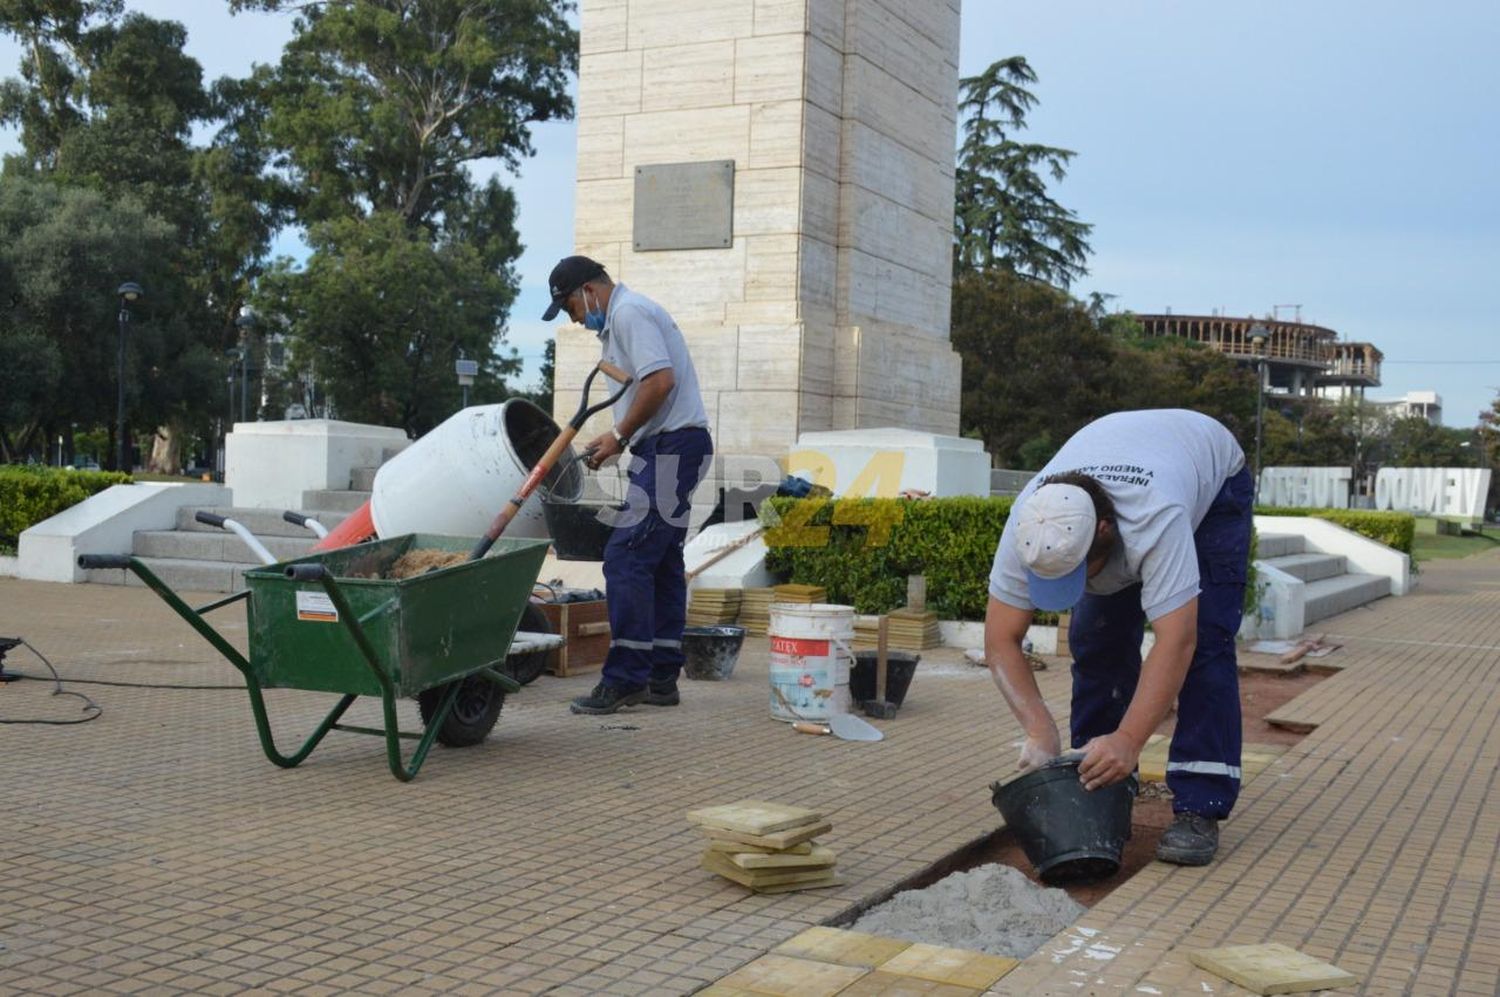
x,y
57,690
143,685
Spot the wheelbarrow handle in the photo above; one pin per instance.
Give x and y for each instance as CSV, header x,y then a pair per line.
x,y
90,561
306,572
209,519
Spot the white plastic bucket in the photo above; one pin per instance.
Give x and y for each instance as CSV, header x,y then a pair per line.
x,y
458,477
811,653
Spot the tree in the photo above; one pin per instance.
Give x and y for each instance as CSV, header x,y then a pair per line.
x,y
1004,215
375,114
1412,441
383,311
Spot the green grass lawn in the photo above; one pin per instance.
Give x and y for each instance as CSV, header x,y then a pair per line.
x,y
1433,546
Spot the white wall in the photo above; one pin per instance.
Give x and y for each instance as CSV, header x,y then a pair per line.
x,y
268,465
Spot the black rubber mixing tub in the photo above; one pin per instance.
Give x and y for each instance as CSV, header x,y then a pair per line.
x,y
899,668
711,652
579,529
1069,833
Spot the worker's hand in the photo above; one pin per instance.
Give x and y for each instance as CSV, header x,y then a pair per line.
x,y
600,450
1039,750
1108,760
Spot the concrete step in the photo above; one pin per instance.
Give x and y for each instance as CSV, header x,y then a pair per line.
x,y
340,501
1310,567
1331,596
362,479
180,575
219,545
262,522
1269,545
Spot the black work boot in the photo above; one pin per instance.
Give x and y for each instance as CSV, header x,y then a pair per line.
x,y
1191,840
662,692
607,698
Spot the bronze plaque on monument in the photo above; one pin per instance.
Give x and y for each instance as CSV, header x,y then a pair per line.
x,y
684,206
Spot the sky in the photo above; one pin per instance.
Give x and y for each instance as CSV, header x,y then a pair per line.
x,y
1340,155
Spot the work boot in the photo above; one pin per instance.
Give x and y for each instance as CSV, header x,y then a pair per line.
x,y
1191,840
662,692
607,698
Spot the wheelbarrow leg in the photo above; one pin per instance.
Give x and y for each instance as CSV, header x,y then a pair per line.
x,y
257,701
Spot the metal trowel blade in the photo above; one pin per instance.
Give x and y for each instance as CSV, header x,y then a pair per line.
x,y
852,728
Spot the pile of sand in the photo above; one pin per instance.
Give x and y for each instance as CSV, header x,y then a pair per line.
x,y
992,908
419,562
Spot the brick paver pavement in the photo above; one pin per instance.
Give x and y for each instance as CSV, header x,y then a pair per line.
x,y
1371,844
156,850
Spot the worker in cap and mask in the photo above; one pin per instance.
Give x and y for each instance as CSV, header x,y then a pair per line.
x,y
1140,516
660,420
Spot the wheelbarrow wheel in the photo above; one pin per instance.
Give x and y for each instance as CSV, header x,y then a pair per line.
x,y
525,668
474,712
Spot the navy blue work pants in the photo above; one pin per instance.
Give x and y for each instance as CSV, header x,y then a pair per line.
x,y
643,570
1203,765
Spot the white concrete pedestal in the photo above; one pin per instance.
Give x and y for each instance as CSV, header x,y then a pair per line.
x,y
268,465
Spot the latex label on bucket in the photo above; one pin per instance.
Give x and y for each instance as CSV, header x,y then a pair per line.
x,y
809,678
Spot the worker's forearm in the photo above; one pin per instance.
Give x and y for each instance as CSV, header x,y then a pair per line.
x,y
1012,674
1161,679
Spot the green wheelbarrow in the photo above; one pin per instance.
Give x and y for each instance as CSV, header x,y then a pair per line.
x,y
331,622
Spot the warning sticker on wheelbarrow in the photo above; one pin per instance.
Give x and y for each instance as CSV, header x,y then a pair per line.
x,y
317,607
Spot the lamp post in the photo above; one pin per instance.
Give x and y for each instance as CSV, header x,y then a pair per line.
x,y
129,292
1258,343
466,371
245,322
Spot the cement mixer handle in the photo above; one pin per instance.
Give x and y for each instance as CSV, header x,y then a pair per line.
x,y
584,408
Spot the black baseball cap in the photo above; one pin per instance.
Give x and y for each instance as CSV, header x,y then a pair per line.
x,y
571,273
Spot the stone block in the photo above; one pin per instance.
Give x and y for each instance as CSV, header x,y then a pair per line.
x,y
878,33
601,147
715,353
770,357
771,267
780,16
891,231
775,134
817,360
757,422
609,83
762,312
767,202
893,294
604,209
817,278
885,103
601,26
822,139
820,207
825,21
688,76
694,285
824,85
659,23
768,68
880,163
687,136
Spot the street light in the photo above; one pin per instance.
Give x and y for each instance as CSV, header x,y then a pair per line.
x,y
245,322
1258,343
466,371
129,292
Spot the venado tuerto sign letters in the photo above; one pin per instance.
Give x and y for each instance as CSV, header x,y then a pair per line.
x,y
1430,491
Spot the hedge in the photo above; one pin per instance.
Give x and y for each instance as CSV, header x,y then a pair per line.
x,y
1394,529
862,550
31,494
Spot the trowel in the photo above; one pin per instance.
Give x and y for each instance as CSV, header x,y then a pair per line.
x,y
841,725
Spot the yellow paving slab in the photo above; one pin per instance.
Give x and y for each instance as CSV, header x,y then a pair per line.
x,y
882,984
785,976
945,965
844,948
1271,968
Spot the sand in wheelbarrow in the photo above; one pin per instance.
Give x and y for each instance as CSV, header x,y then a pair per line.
x,y
419,562
991,908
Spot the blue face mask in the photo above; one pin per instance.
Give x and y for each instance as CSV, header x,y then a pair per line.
x,y
593,318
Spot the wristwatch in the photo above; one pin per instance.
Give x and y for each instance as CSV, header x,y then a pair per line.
x,y
621,439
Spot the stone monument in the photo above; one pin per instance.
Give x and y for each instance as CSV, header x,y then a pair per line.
x,y
779,175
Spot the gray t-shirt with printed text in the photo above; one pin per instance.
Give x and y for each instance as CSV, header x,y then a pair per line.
x,y
1162,468
641,338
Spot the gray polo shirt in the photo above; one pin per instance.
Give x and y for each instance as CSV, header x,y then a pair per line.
x,y
1162,469
641,338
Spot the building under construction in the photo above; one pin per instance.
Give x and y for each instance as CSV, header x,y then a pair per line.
x,y
1300,360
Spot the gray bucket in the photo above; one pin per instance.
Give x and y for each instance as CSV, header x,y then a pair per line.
x,y
711,652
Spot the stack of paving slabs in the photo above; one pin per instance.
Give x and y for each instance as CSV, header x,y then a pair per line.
x,y
713,607
908,630
755,611
767,847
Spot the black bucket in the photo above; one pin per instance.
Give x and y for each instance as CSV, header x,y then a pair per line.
x,y
711,652
1069,833
579,529
899,668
